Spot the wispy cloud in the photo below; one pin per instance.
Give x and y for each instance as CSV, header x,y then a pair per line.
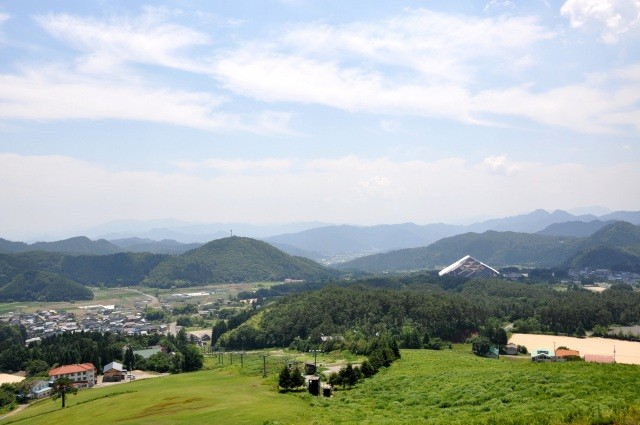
x,y
148,38
59,94
613,18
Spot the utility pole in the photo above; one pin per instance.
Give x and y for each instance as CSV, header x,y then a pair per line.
x,y
264,365
315,357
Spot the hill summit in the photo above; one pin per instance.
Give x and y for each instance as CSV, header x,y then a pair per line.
x,y
234,259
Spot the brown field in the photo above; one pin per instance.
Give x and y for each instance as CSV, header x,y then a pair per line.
x,y
627,352
5,378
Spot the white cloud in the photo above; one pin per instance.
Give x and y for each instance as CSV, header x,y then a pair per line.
x,y
60,192
500,165
237,165
496,4
603,103
147,38
58,94
436,45
615,18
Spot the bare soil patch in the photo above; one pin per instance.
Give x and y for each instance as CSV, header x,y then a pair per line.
x,y
627,352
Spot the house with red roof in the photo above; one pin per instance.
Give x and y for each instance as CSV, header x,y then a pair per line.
x,y
83,375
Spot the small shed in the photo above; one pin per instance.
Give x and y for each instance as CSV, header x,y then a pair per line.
x,y
113,372
566,354
511,349
314,386
543,355
309,368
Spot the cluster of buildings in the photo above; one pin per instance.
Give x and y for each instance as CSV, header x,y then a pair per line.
x,y
45,323
564,354
604,276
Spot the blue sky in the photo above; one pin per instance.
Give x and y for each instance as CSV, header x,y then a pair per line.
x,y
334,111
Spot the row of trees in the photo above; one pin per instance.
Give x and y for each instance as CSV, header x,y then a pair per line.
x,y
97,348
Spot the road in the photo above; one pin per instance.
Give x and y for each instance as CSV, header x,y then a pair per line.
x,y
154,302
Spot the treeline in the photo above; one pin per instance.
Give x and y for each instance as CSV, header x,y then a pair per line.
x,y
93,347
543,309
424,310
334,310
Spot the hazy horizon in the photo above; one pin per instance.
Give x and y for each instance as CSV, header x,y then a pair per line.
x,y
296,111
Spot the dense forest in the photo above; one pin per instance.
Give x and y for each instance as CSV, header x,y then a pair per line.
x,y
94,347
43,286
425,304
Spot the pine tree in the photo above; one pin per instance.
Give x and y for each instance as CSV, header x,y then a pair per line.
x,y
284,380
295,378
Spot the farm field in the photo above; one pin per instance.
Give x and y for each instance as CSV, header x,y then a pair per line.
x,y
627,352
430,387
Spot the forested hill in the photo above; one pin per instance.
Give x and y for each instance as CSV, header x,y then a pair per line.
x,y
80,245
616,246
498,249
422,307
123,269
42,286
494,248
235,259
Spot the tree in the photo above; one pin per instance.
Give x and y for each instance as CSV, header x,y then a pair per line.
x,y
129,358
480,345
193,359
61,387
349,376
284,379
295,378
36,367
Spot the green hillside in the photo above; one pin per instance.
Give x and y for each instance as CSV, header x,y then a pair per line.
x,y
494,248
234,259
616,244
619,233
42,286
606,257
424,386
122,269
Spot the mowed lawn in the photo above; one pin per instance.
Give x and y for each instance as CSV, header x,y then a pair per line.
x,y
456,387
200,397
424,387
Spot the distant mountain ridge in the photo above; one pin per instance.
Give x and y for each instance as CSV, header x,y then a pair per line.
x,y
334,240
619,240
578,229
164,246
80,245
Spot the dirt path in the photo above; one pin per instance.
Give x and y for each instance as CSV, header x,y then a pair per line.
x,y
153,300
14,411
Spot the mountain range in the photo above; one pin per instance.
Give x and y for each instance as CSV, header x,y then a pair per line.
x,y
617,246
317,241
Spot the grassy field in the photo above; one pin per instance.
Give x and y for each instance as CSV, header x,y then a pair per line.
x,y
213,396
430,387
456,387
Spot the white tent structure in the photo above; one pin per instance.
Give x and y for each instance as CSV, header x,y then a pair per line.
x,y
470,268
